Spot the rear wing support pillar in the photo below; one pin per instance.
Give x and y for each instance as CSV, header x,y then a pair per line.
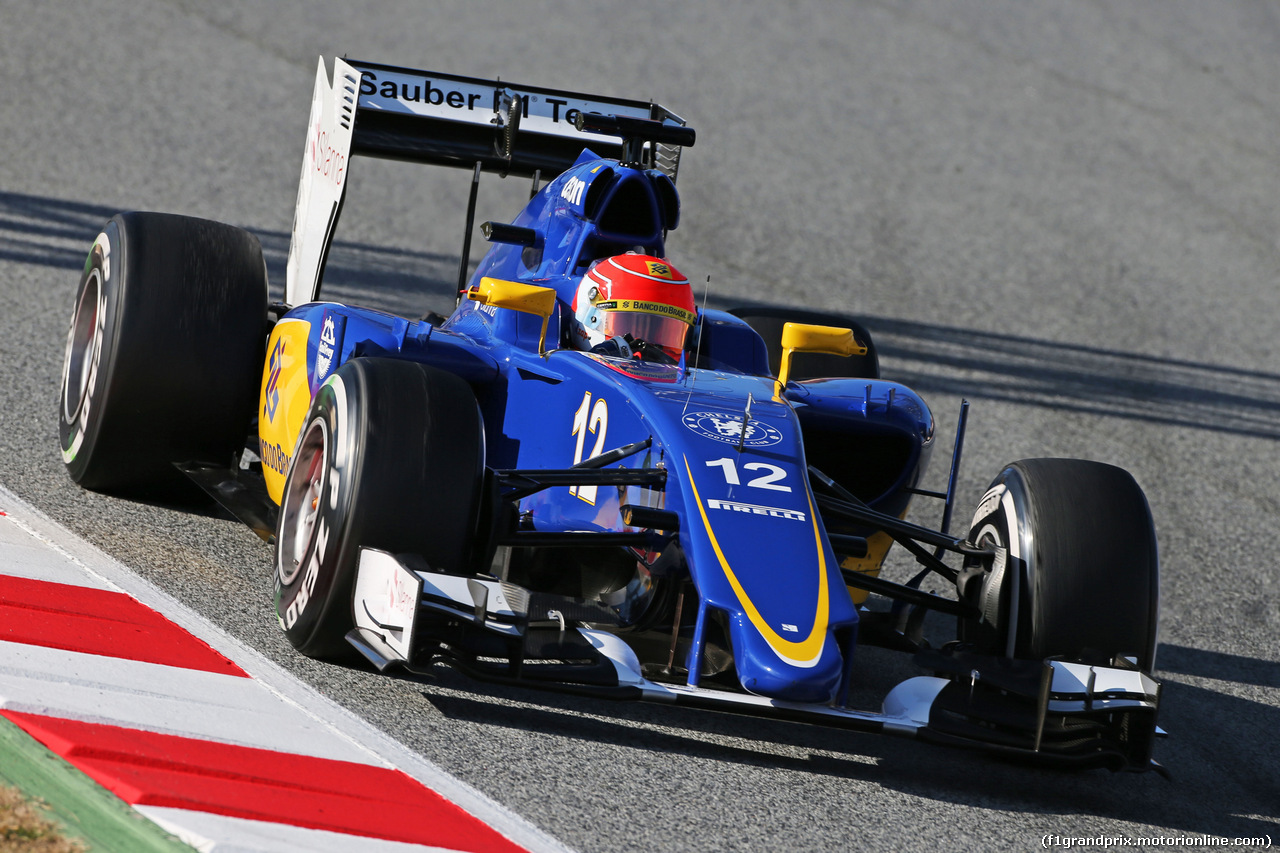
x,y
465,263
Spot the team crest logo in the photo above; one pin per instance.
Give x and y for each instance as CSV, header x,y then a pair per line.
x,y
725,427
324,352
327,350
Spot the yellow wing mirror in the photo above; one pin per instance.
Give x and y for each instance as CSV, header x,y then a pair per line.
x,y
802,337
526,298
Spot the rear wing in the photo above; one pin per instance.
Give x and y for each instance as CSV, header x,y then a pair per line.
x,y
423,117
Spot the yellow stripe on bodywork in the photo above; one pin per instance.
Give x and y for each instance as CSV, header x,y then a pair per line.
x,y
804,652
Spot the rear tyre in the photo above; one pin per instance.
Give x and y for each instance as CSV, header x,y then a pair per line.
x,y
164,355
768,323
1082,579
391,457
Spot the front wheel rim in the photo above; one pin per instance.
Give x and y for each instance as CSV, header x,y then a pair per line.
x,y
301,505
83,342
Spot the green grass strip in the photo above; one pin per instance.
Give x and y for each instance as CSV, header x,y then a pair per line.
x,y
78,805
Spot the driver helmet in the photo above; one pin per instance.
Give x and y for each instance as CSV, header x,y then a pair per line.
x,y
638,299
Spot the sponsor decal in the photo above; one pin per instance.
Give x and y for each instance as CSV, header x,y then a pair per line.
x,y
641,306
274,457
998,501
285,394
308,585
572,192
722,426
802,652
989,504
272,395
754,509
479,102
328,161
659,270
408,89
402,596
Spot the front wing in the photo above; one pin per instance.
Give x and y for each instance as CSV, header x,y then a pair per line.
x,y
1054,711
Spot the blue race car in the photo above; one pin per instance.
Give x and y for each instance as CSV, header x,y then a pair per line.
x,y
581,480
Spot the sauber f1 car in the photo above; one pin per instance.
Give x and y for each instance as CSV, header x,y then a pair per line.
x,y
580,479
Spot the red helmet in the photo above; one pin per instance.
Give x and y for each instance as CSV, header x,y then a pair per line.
x,y
636,296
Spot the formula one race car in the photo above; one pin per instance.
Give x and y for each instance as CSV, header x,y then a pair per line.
x,y
581,480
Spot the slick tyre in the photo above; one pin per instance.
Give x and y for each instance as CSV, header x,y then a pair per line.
x,y
1082,578
164,354
391,457
768,323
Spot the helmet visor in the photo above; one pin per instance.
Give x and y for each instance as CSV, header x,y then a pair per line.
x,y
667,333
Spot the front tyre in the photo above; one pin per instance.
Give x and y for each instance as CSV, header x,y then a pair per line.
x,y
1081,580
164,354
391,457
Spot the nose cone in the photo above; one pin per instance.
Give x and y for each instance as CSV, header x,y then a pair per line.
x,y
764,672
757,551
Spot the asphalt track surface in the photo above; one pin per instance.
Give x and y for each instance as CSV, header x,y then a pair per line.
x,y
1065,212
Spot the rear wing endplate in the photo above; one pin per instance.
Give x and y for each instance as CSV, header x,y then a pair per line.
x,y
423,117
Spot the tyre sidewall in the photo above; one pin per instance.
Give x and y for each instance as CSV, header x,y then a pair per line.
x,y
403,469
173,368
1081,579
996,522
80,420
305,598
